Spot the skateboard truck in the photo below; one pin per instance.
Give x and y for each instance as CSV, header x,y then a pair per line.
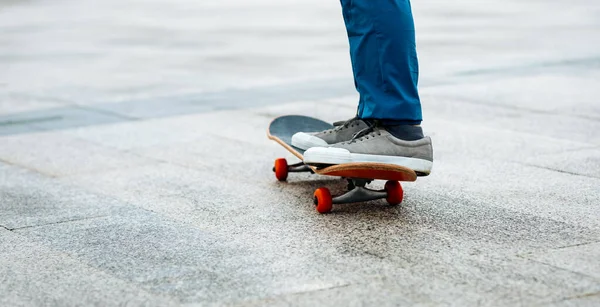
x,y
358,192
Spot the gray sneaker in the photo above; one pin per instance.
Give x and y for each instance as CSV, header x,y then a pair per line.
x,y
342,131
376,144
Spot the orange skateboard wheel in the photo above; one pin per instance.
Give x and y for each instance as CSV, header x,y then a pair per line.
x,y
395,194
323,200
281,169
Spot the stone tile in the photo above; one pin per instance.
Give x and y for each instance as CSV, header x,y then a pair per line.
x,y
12,103
582,259
516,187
245,161
584,300
34,275
487,114
237,125
330,111
222,266
463,139
244,98
58,154
584,162
432,236
57,119
28,199
528,284
178,191
168,258
554,93
16,127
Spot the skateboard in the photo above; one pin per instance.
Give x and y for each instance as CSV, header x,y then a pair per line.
x,y
358,175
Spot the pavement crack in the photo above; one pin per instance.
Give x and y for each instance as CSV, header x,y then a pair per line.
x,y
59,222
575,245
320,289
28,121
497,105
584,295
557,170
557,267
25,167
105,112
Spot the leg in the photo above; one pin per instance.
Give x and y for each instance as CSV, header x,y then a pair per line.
x,y
384,62
384,59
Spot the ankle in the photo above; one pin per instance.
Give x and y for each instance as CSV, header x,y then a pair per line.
x,y
405,132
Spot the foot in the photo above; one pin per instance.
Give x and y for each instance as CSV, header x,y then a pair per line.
x,y
379,144
342,131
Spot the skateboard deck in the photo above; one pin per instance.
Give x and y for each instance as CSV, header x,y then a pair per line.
x,y
358,174
283,128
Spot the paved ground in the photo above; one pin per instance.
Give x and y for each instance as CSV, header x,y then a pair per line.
x,y
134,167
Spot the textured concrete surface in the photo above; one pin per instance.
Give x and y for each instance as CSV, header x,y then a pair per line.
x,y
135,171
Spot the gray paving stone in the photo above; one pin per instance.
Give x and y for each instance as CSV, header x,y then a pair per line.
x,y
57,154
35,275
396,289
56,119
459,139
484,113
584,300
165,257
11,103
28,199
584,162
330,110
581,258
521,188
547,93
10,127
237,125
230,99
199,266
429,234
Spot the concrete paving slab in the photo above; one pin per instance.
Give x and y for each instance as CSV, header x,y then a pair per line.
x,y
228,51
569,128
579,258
327,110
548,93
237,125
57,119
429,234
10,127
394,290
458,139
28,199
11,103
521,188
229,99
584,300
57,154
35,275
585,162
147,250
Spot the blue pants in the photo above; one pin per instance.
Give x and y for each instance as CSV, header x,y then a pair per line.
x,y
384,59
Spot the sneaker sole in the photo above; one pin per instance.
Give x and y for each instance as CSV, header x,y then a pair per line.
x,y
339,156
305,141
